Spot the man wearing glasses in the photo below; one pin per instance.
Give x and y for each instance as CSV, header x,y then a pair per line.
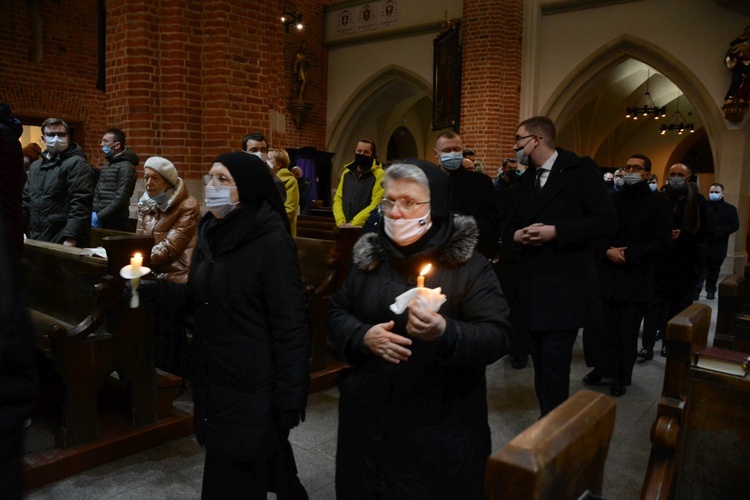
x,y
626,283
559,208
59,193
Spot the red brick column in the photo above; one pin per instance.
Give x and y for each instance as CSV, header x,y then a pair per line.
x,y
490,93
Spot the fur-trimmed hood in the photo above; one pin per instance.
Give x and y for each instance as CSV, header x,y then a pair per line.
x,y
369,253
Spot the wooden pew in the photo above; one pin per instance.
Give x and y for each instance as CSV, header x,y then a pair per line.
x,y
560,456
82,325
324,266
733,316
318,267
311,226
686,333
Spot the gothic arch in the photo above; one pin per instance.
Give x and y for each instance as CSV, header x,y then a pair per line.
x,y
583,77
392,84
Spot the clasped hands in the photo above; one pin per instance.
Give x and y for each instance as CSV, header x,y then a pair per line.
x,y
616,255
536,234
422,324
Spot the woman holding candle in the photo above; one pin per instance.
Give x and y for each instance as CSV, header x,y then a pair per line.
x,y
171,215
250,342
413,410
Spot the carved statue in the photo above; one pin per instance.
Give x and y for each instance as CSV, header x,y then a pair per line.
x,y
301,67
738,61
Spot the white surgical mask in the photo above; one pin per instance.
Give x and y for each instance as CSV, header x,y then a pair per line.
x,y
404,232
218,200
262,156
55,143
619,182
631,179
452,160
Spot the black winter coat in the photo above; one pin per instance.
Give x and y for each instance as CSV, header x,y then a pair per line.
x,y
250,342
726,222
472,193
58,196
113,190
645,228
417,429
560,288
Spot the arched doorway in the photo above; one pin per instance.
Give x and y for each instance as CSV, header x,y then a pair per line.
x,y
401,145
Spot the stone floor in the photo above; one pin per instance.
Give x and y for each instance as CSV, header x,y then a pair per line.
x,y
174,470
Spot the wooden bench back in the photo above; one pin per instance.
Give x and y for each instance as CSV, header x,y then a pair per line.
x,y
60,280
733,318
315,260
560,456
686,333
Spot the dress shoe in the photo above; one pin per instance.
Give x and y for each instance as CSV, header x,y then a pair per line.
x,y
592,378
617,389
519,361
663,351
710,295
645,354
696,295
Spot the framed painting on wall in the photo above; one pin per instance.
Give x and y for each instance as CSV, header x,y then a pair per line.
x,y
446,79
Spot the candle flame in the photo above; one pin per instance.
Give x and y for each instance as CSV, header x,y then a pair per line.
x,y
425,269
137,256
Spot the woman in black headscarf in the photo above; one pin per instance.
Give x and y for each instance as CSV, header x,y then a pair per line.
x,y
413,408
250,341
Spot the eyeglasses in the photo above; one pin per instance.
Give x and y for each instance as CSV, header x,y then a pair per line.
x,y
406,206
519,138
218,180
634,168
58,134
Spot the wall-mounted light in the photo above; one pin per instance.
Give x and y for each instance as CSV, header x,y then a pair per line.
x,y
290,16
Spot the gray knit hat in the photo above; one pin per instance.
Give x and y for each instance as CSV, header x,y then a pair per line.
x,y
164,167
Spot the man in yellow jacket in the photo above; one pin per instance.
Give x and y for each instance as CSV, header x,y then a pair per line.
x,y
360,188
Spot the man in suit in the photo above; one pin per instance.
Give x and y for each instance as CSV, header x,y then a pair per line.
x,y
559,208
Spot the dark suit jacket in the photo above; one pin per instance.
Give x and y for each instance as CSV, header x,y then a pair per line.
x,y
559,289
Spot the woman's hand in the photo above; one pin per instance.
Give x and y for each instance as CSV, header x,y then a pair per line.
x,y
425,324
384,344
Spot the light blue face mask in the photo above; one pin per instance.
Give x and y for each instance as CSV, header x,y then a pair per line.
x,y
714,196
160,198
452,160
652,186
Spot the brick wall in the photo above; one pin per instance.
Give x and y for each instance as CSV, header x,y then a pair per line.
x,y
490,95
63,84
186,79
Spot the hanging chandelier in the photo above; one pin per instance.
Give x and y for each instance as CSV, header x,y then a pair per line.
x,y
672,123
649,108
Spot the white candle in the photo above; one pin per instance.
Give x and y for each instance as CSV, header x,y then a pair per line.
x,y
420,278
135,264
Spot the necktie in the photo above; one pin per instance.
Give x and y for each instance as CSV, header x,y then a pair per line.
x,y
538,182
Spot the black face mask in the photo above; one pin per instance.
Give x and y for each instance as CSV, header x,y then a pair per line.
x,y
610,184
362,161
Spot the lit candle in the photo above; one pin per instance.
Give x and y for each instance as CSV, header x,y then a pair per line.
x,y
420,278
135,264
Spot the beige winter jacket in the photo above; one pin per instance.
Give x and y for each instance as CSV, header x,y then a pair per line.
x,y
174,226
